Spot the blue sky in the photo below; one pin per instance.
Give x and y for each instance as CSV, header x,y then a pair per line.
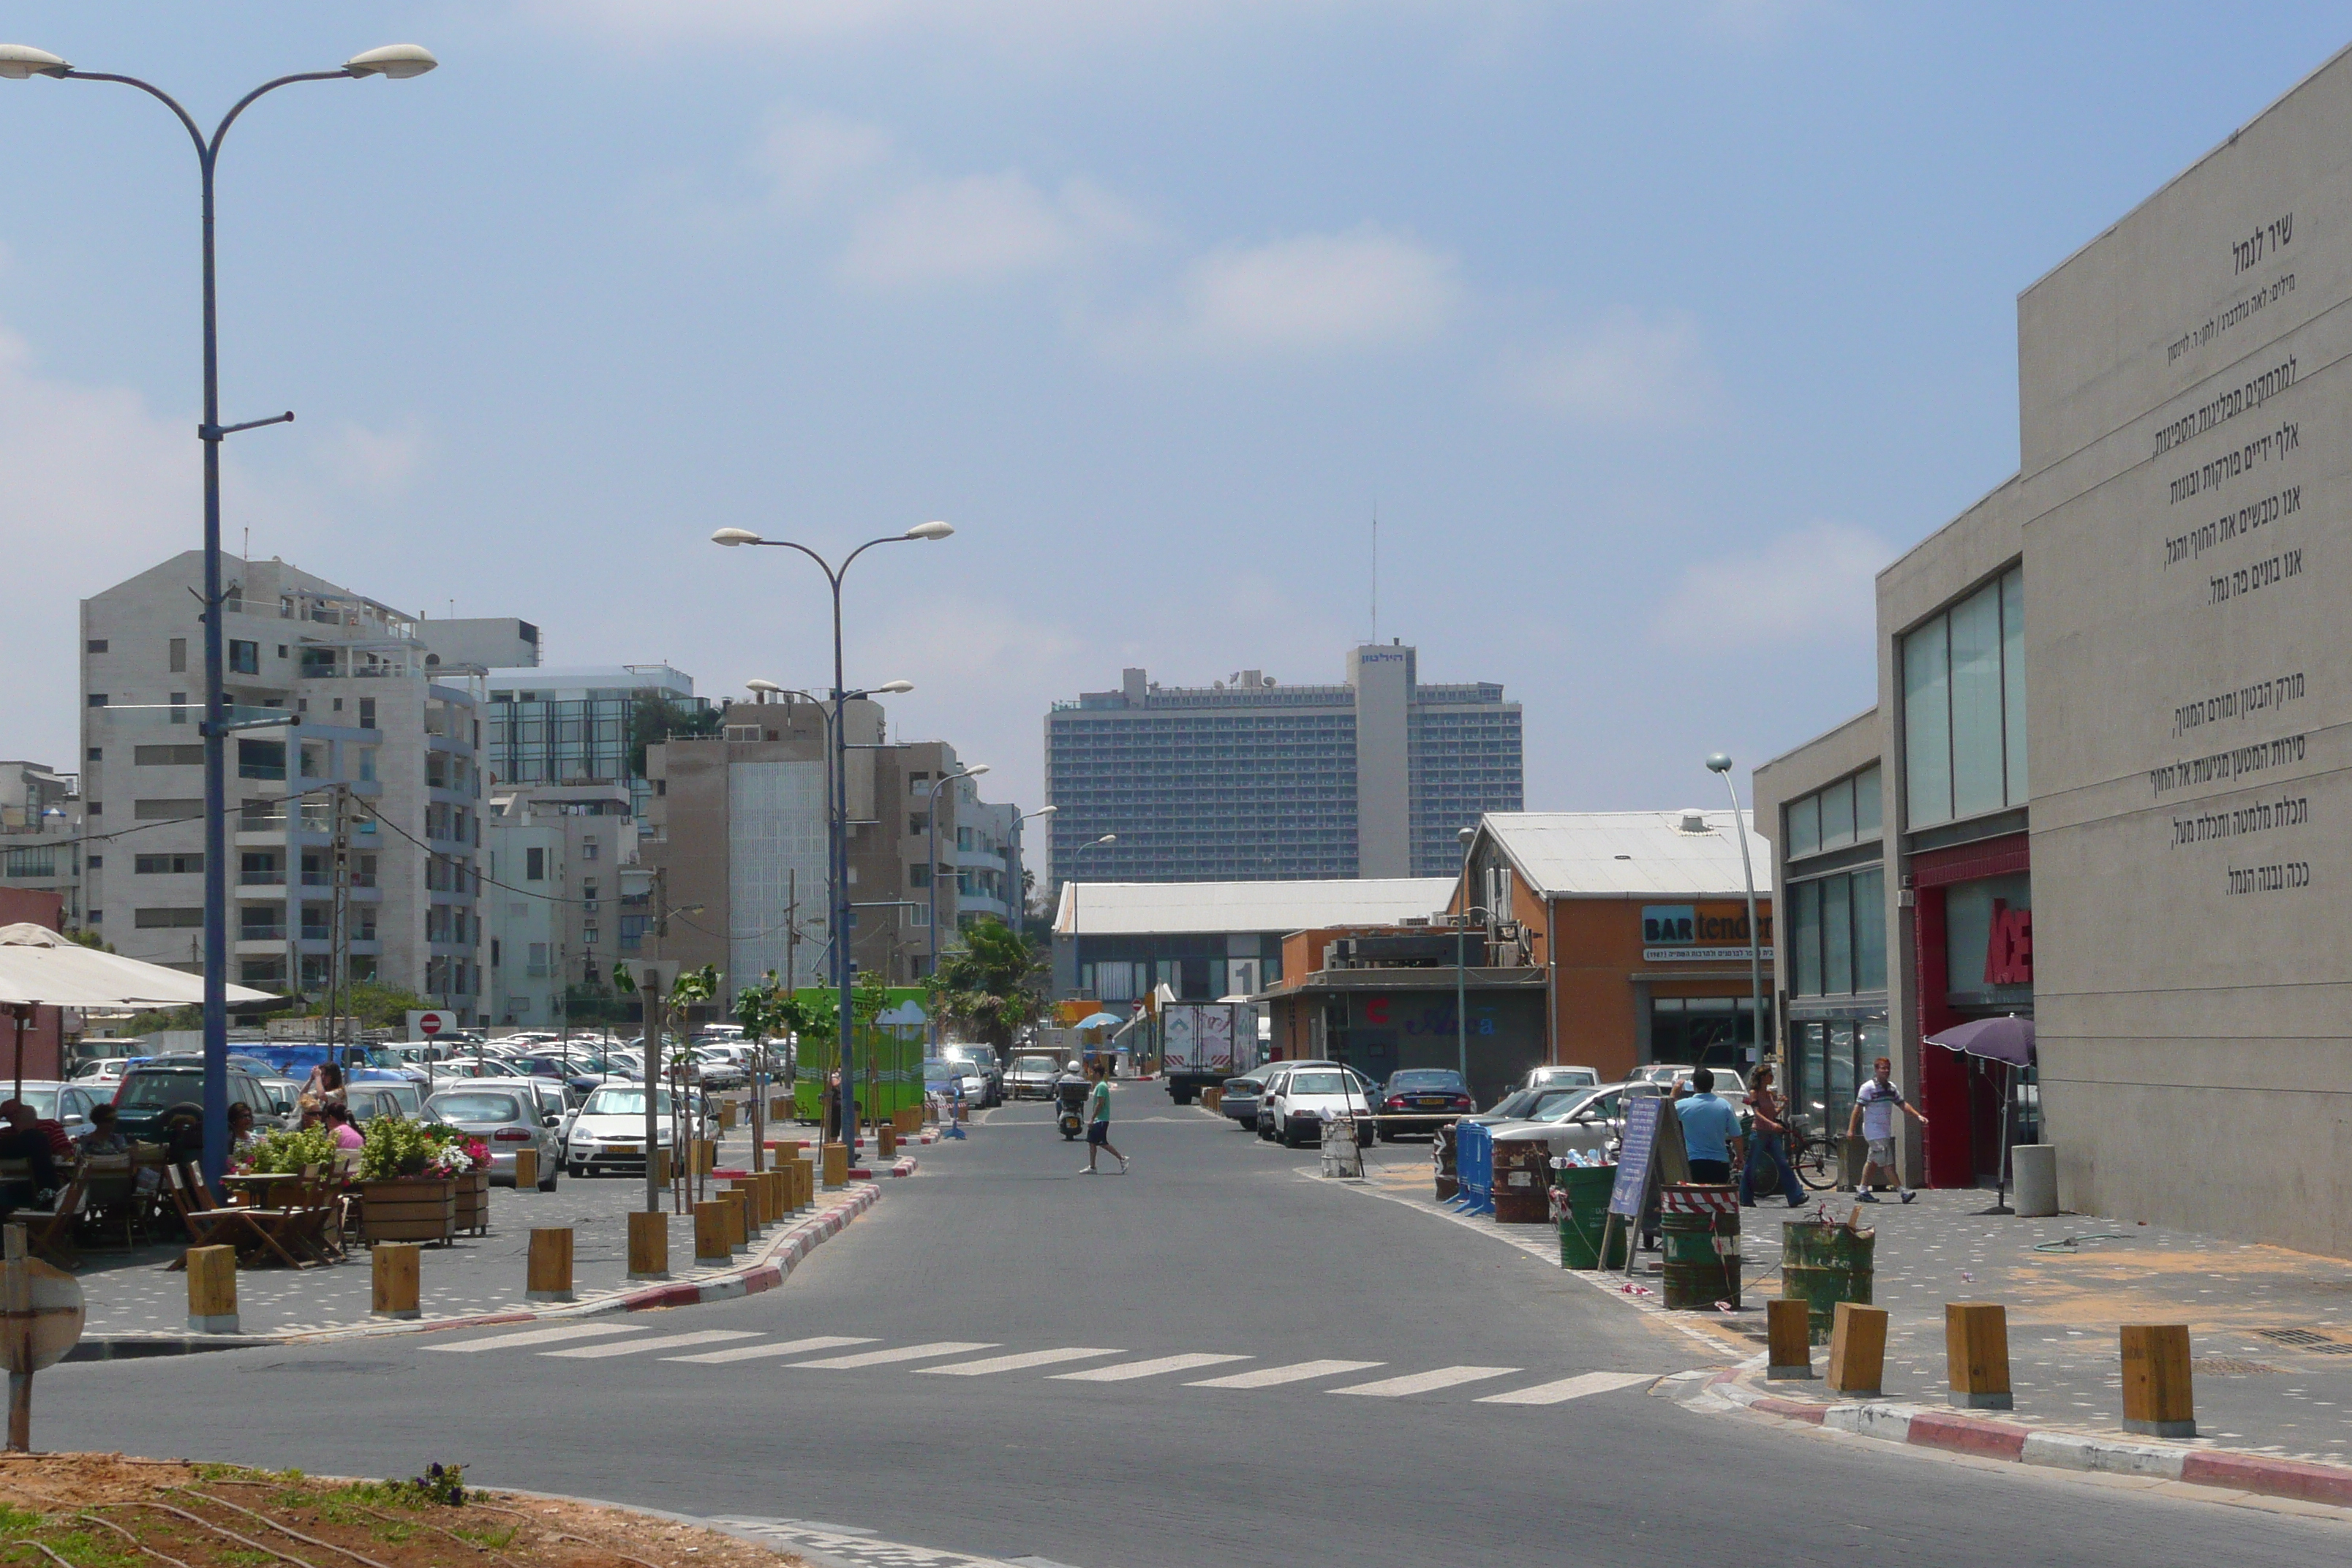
x,y
1651,331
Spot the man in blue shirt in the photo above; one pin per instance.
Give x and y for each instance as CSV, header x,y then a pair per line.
x,y
1710,1131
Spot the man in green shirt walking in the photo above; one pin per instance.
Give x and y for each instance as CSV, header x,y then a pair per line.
x,y
1098,1120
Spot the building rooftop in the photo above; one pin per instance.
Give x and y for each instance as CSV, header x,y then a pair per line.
x,y
592,677
1167,909
1629,853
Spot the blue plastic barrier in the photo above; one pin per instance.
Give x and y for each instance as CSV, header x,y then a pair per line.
x,y
1473,1166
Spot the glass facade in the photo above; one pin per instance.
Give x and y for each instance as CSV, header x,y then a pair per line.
x,y
1964,707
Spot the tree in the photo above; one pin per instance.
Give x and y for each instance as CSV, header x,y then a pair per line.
x,y
992,986
654,718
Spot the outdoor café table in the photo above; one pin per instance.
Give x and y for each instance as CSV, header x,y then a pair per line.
x,y
257,1190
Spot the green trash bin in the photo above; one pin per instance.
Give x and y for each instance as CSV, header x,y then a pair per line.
x,y
1581,1199
1823,1265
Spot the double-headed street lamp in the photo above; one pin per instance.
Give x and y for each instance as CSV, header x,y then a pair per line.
x,y
931,877
1720,763
845,965
396,61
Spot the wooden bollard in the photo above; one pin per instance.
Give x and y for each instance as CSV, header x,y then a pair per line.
x,y
396,1280
780,1196
755,1220
710,1247
705,1155
2159,1401
1785,1330
212,1290
780,1110
1857,1349
662,1164
739,1223
649,1245
550,1264
727,1109
1976,1355
802,1171
526,1168
885,1142
837,1164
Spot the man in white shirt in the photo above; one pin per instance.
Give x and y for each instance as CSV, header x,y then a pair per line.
x,y
1875,1105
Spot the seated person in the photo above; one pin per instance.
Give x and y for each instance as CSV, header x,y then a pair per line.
x,y
22,1138
339,1125
104,1137
240,1127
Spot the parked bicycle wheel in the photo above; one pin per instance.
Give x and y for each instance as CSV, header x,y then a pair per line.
x,y
1817,1162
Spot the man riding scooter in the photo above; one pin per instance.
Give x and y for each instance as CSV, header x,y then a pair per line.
x,y
1070,1090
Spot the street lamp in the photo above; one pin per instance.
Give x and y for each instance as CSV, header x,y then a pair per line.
x,y
932,877
1720,763
396,62
1468,837
1020,889
844,961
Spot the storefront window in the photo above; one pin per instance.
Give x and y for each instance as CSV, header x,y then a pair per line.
x,y
1964,707
1969,910
1805,825
1928,723
1837,933
1870,930
1866,816
1805,937
1837,814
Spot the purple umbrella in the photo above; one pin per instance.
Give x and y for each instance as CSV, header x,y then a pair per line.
x,y
2008,1041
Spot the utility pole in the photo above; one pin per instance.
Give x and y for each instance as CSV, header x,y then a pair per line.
x,y
339,948
651,995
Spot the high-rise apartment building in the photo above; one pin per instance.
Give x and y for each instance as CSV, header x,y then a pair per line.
x,y
1248,780
552,858
355,832
584,725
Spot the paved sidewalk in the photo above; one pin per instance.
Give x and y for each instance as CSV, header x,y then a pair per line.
x,y
133,1296
2270,1329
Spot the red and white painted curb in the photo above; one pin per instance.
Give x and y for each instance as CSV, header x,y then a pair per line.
x,y
904,1165
1924,1426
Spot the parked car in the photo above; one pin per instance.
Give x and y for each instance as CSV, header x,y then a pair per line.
x,y
1562,1077
163,1090
409,1098
106,1072
509,1117
1264,1119
1589,1120
1727,1080
1032,1077
1303,1099
1242,1094
67,1104
607,1136
983,1058
1420,1100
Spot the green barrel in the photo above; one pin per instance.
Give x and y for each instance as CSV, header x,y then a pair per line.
x,y
1586,1189
1702,1258
1824,1264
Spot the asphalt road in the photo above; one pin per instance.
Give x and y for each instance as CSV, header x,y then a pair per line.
x,y
1503,1410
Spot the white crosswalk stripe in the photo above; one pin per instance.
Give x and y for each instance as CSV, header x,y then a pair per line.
x,y
1274,1377
659,1342
1016,1363
1426,1382
546,1336
788,1347
1569,1388
1128,1371
903,1352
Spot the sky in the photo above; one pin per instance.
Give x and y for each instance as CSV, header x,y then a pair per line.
x,y
1650,329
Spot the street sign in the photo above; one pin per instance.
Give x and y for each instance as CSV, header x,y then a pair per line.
x,y
51,1323
1634,1151
430,1023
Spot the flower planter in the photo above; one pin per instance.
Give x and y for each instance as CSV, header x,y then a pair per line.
x,y
474,1203
409,1208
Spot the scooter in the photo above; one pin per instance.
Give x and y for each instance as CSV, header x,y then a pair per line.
x,y
1072,1094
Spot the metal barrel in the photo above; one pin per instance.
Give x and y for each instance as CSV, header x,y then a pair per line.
x,y
1698,1229
1583,1209
1522,1181
1824,1264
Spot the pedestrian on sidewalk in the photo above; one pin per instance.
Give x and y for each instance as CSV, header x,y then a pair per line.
x,y
1098,1120
1875,1105
1767,1151
1710,1131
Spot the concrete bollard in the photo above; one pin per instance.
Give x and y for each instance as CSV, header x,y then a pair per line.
x,y
1976,1355
212,1290
649,1245
396,1280
837,1164
2159,1401
526,1168
710,1249
1790,1339
2034,1169
1857,1349
550,1276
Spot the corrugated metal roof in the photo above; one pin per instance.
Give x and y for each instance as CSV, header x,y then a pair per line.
x,y
1156,908
1631,854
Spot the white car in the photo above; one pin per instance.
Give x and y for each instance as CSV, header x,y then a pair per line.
x,y
1303,1099
608,1134
1590,1121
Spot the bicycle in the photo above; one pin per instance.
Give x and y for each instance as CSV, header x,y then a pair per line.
x,y
1816,1156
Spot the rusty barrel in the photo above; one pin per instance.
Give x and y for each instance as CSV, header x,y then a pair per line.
x,y
1825,1264
1698,1228
1522,1181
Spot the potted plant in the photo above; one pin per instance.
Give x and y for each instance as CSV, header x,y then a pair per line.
x,y
408,1181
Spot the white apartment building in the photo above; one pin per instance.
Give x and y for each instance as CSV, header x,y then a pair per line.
x,y
40,833
385,735
552,856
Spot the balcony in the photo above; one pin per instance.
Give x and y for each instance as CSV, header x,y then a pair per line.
x,y
261,879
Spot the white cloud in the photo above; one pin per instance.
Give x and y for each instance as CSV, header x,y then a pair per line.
x,y
1628,369
377,463
981,228
808,157
1318,293
1814,584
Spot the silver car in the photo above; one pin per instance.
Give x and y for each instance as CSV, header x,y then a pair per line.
x,y
509,1117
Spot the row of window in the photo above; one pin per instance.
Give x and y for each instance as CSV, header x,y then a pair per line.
x,y
1964,707
1837,933
1847,812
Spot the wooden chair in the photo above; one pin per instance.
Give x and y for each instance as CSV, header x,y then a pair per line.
x,y
113,1196
260,1234
50,1232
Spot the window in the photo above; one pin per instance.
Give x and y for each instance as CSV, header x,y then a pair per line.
x,y
1842,814
367,765
534,865
178,707
168,865
588,935
919,876
166,810
179,656
918,824
97,699
1964,707
498,953
96,754
1837,933
261,759
367,712
588,849
30,863
244,657
98,645
168,756
173,919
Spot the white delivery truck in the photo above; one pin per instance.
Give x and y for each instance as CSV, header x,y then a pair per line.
x,y
1202,1044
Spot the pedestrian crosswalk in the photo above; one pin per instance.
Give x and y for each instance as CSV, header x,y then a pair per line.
x,y
605,1340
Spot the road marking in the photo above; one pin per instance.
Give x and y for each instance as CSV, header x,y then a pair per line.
x,y
1569,1388
904,1353
789,1347
547,1336
1016,1363
664,1342
1424,1382
1298,1372
1134,1369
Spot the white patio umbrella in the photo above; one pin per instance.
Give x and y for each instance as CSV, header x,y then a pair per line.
x,y
38,968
